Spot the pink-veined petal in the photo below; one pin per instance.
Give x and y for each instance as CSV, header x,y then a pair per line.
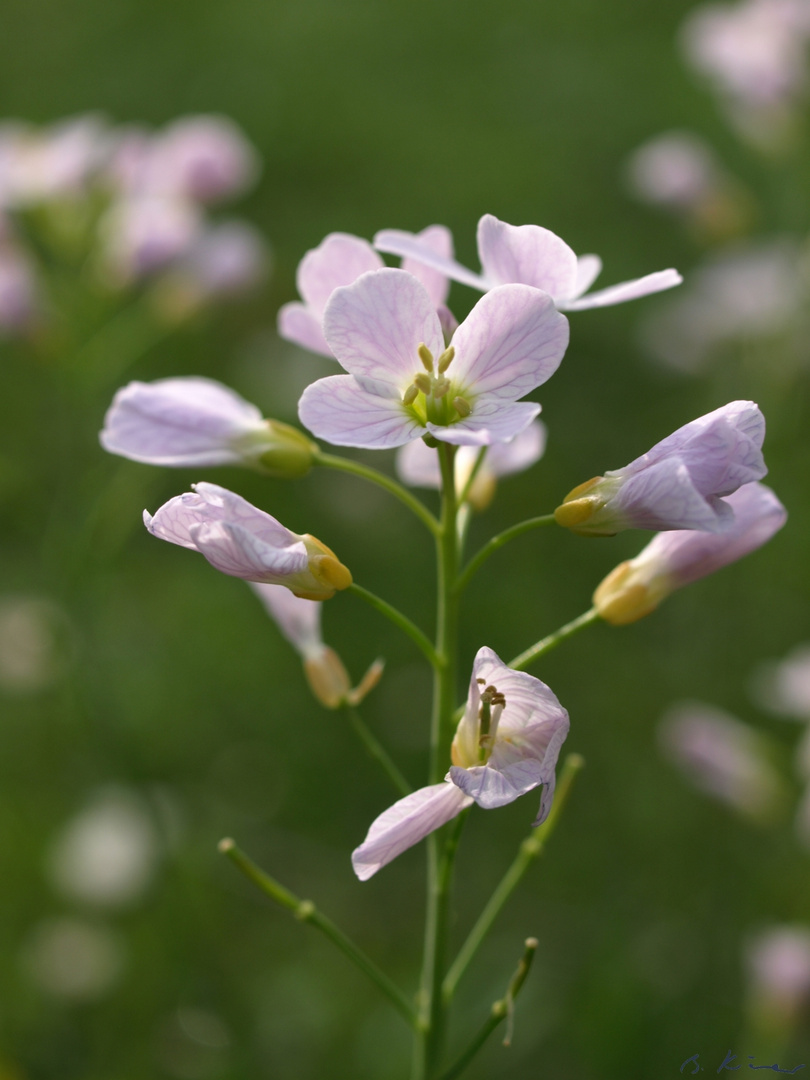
x,y
406,823
437,238
664,497
410,246
234,550
490,422
626,290
375,326
341,411
338,260
491,787
528,254
511,342
300,324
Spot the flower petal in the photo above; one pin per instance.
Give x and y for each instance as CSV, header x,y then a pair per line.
x,y
491,422
439,239
527,447
410,246
235,550
301,325
491,787
341,411
512,341
663,497
338,260
375,326
626,290
298,620
528,254
589,267
406,823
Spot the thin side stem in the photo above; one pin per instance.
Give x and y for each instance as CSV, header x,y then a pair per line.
x,y
377,750
500,1011
531,847
497,542
400,620
332,461
305,911
553,640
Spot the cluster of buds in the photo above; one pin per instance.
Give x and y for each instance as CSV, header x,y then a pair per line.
x,y
129,202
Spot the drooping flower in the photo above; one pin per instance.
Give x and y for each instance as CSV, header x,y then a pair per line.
x,y
403,383
189,422
674,559
507,743
528,255
299,621
418,464
339,260
240,540
680,483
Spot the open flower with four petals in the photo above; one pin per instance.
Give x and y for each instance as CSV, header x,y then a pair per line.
x,y
403,383
507,743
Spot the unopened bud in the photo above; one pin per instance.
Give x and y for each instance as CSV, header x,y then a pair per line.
x,y
629,593
580,505
327,677
290,453
327,569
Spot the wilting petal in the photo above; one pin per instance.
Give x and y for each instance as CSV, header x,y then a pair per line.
x,y
300,324
406,823
375,326
511,342
526,253
338,260
626,290
437,285
414,247
338,409
179,422
492,422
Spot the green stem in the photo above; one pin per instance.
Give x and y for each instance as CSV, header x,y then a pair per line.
x,y
531,847
497,542
377,751
500,1011
305,911
332,461
553,640
441,846
400,620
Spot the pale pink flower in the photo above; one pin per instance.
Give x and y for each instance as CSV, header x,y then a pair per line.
x,y
403,383
678,484
227,259
18,291
418,464
43,164
784,686
145,233
190,421
722,757
507,743
527,255
778,961
240,540
338,260
674,559
674,169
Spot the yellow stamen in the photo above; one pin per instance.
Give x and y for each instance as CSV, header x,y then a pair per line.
x,y
424,382
426,356
462,407
410,395
446,359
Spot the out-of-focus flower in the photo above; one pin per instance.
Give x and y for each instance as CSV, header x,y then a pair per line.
x,y
73,959
144,234
418,464
228,259
778,962
722,757
743,293
240,540
507,743
784,687
107,854
679,483
34,644
18,291
204,158
404,384
528,255
674,559
56,162
189,422
300,623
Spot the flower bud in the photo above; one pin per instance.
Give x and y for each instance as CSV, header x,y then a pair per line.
x,y
289,452
327,677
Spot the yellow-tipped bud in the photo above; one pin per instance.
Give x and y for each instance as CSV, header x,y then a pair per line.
x,y
426,356
462,407
630,592
424,382
327,677
583,503
326,568
410,395
446,359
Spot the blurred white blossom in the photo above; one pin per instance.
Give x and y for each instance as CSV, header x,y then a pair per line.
x,y
74,959
34,644
783,687
778,963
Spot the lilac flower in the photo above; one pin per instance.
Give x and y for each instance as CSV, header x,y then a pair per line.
x,y
674,169
228,259
403,383
145,233
299,621
190,422
507,743
340,259
679,483
240,540
528,255
722,757
674,559
418,464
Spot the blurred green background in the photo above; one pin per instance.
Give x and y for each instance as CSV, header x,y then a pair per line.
x,y
177,693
